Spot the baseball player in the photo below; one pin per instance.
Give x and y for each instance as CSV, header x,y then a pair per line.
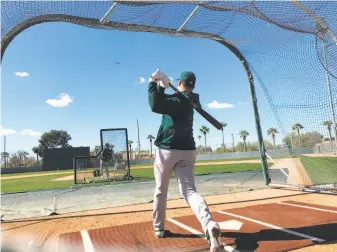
x,y
104,161
177,152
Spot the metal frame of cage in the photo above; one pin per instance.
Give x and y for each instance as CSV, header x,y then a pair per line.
x,y
105,23
75,166
127,175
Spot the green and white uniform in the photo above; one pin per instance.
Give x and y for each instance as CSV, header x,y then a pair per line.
x,y
176,152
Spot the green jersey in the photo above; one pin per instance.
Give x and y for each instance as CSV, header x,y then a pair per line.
x,y
176,129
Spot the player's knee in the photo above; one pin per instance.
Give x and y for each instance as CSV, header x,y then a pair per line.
x,y
161,190
188,192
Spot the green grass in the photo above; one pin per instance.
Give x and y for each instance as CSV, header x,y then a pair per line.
x,y
132,166
34,183
321,170
229,159
206,161
46,182
34,173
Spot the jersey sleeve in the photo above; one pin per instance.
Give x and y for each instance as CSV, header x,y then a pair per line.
x,y
160,102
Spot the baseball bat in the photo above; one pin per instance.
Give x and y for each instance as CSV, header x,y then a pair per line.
x,y
202,112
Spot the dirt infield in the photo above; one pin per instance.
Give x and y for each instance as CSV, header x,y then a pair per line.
x,y
321,155
45,231
71,177
86,175
35,175
297,173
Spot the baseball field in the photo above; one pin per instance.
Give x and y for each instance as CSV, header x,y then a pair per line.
x,y
64,179
55,217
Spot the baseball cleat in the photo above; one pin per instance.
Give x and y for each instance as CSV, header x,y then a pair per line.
x,y
213,235
159,232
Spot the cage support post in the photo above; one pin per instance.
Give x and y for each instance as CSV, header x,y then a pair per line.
x,y
127,151
188,18
317,19
262,150
334,125
257,123
322,29
107,14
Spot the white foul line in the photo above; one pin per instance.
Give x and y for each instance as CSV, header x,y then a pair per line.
x,y
196,232
88,246
313,208
274,227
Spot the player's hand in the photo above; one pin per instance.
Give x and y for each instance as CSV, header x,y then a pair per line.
x,y
165,82
157,76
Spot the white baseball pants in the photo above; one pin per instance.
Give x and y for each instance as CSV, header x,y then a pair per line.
x,y
182,163
106,165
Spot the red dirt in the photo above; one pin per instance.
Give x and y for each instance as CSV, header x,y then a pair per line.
x,y
251,236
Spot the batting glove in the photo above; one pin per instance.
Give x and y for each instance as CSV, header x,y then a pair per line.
x,y
165,82
157,76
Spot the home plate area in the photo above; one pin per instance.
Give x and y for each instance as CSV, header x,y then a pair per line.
x,y
271,227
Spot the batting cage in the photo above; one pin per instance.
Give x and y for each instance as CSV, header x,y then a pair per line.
x,y
110,164
288,49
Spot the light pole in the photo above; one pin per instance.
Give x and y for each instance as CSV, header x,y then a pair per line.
x,y
138,140
233,142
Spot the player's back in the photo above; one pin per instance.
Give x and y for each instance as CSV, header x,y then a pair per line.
x,y
176,129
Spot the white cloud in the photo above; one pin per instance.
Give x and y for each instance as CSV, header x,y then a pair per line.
x,y
22,74
28,132
171,79
141,80
6,132
62,100
218,105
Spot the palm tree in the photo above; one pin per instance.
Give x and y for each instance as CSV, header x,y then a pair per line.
x,y
243,134
199,140
130,145
150,137
272,132
4,157
204,130
23,156
39,152
328,124
223,139
297,126
97,149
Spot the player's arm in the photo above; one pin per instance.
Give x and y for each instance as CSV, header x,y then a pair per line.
x,y
160,102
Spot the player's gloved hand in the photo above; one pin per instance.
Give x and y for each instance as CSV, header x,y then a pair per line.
x,y
165,82
157,76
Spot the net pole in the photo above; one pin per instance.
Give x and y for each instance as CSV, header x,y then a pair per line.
x,y
258,128
138,140
107,14
329,90
262,150
127,150
317,19
188,18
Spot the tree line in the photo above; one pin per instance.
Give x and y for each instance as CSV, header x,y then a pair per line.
x,y
300,140
51,139
61,138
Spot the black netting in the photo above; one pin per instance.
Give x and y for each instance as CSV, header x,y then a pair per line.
x,y
290,47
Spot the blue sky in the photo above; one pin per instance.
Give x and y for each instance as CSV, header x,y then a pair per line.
x,y
64,76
